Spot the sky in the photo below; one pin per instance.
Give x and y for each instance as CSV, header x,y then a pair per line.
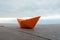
x,y
49,10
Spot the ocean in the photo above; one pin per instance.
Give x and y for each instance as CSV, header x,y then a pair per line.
x,y
51,31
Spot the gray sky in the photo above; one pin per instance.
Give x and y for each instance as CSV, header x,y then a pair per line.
x,y
20,8
48,9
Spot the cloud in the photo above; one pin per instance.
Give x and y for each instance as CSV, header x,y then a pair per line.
x,y
19,8
51,17
8,20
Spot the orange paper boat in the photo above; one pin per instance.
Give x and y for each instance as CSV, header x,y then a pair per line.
x,y
28,23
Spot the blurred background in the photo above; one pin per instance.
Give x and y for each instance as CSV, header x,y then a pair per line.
x,y
49,10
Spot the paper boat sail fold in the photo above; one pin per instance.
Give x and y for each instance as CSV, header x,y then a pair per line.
x,y
28,23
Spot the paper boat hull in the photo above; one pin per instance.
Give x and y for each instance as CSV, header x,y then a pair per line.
x,y
28,23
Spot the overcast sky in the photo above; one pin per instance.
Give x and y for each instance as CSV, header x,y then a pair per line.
x,y
19,8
